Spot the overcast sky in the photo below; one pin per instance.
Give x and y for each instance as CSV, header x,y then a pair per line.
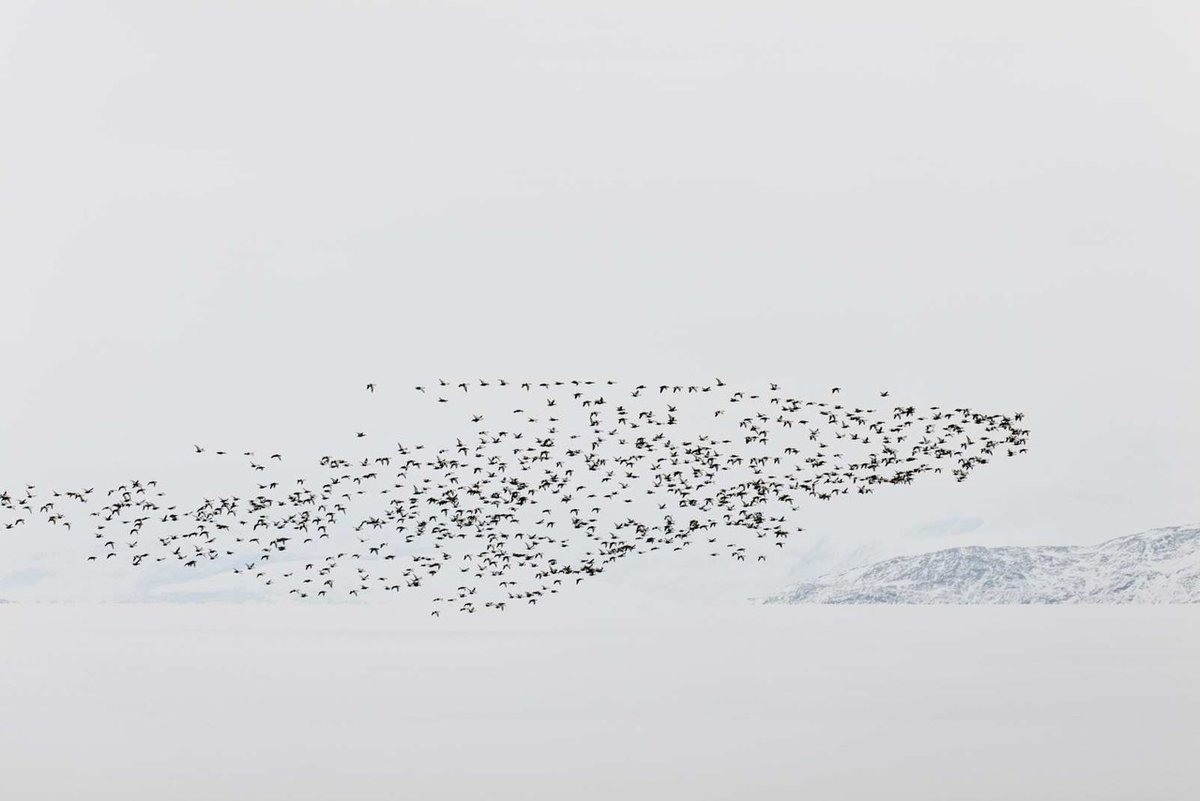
x,y
220,219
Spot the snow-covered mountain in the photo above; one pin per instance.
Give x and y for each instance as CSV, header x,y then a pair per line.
x,y
1157,566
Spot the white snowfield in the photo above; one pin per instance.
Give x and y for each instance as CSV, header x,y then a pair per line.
x,y
1157,566
287,702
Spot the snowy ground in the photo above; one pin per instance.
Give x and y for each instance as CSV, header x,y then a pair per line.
x,y
286,702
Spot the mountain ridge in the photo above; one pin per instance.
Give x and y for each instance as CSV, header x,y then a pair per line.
x,y
1160,565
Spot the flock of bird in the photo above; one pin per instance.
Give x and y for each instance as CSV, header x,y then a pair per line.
x,y
578,475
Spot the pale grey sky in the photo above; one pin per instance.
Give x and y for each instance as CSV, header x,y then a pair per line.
x,y
221,219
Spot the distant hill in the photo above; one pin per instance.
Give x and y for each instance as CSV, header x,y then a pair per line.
x,y
1157,566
